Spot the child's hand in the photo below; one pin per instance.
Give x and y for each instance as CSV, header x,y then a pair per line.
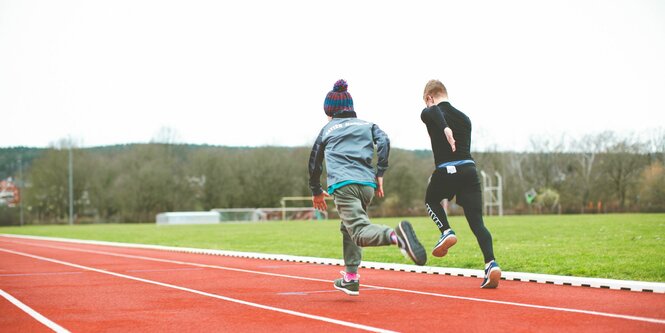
x,y
319,201
379,187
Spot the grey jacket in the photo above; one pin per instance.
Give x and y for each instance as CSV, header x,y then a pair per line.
x,y
348,146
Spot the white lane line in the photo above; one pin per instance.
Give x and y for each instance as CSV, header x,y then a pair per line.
x,y
638,286
34,314
203,293
305,293
40,274
177,262
288,266
163,270
533,306
474,299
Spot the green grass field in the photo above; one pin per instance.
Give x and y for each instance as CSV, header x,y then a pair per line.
x,y
616,246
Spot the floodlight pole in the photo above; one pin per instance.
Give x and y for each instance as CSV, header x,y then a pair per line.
x,y
71,186
21,187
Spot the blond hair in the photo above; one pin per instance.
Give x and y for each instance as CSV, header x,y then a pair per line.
x,y
435,88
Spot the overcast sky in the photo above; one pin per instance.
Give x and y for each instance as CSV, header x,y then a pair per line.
x,y
253,73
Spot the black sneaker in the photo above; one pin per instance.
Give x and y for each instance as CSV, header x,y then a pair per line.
x,y
348,287
409,244
492,276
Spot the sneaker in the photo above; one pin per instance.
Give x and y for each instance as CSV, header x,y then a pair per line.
x,y
447,240
492,276
350,287
409,244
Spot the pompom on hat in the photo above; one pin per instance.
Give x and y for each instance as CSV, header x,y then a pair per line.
x,y
338,100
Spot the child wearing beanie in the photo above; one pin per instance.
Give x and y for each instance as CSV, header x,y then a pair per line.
x,y
338,100
347,144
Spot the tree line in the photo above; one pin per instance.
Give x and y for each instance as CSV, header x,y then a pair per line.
x,y
598,173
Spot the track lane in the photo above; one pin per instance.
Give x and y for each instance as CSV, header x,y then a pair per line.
x,y
96,301
453,286
15,320
385,306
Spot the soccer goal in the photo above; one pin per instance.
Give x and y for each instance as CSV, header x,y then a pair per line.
x,y
319,215
492,194
268,214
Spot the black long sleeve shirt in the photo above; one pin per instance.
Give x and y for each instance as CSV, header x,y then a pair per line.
x,y
438,117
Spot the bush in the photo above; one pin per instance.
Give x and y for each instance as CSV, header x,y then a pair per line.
x,y
9,215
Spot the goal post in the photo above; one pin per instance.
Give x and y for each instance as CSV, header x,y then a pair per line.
x,y
282,213
284,200
492,194
267,214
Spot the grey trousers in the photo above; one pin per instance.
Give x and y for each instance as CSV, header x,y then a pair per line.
x,y
357,231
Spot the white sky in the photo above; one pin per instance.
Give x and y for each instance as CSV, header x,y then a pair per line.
x,y
255,72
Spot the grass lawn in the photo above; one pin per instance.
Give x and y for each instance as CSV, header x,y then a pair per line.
x,y
615,246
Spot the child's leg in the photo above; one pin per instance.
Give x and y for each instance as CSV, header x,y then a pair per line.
x,y
472,201
474,216
351,202
352,252
436,190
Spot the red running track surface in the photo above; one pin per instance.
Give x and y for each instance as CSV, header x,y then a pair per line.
x,y
94,288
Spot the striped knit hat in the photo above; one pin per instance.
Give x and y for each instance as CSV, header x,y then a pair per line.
x,y
338,100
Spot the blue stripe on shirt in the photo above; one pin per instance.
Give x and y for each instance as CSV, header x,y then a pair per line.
x,y
333,187
455,163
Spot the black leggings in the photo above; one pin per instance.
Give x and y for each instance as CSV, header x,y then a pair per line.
x,y
465,185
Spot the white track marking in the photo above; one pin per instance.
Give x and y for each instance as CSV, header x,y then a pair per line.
x,y
169,261
40,274
638,286
305,293
544,307
526,305
34,314
203,293
162,270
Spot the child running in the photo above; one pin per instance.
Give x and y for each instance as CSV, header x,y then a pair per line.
x,y
347,144
455,176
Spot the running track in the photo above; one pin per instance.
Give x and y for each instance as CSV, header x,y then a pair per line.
x,y
51,286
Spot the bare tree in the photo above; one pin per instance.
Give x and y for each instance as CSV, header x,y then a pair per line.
x,y
49,196
166,135
622,164
587,150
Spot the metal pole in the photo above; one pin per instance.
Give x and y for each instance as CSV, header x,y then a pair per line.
x,y
21,187
283,209
499,192
71,186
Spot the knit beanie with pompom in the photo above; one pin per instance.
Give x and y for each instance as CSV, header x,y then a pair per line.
x,y
338,100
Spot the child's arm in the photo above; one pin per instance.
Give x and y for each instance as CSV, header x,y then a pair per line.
x,y
434,115
316,165
315,170
382,143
